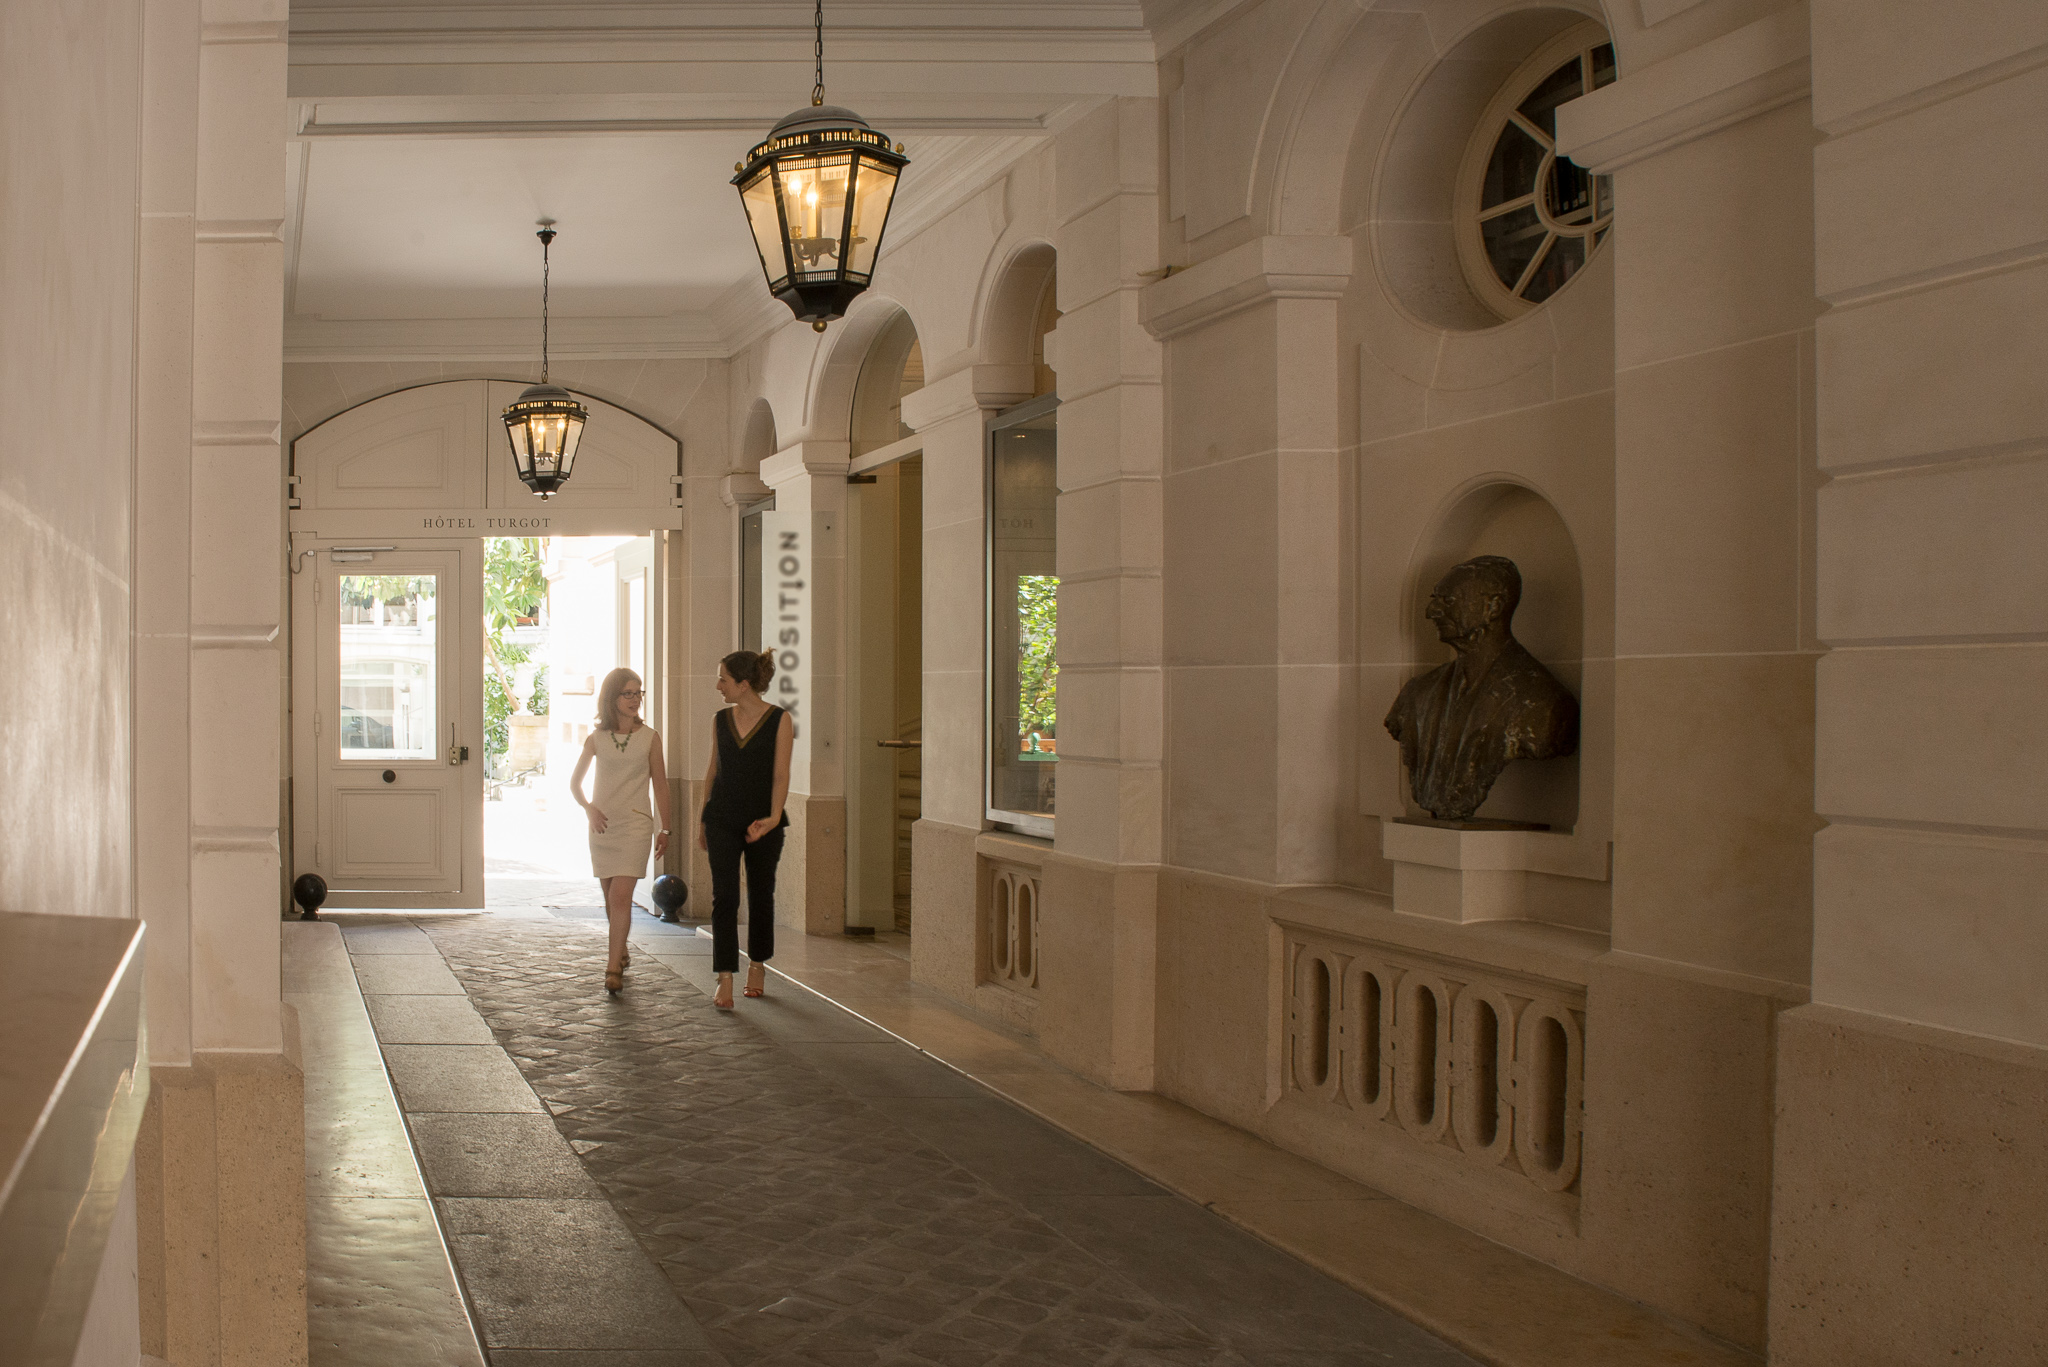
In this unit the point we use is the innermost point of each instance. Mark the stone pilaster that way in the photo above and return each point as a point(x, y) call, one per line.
point(220, 1181)
point(951, 414)
point(1253, 554)
point(1097, 984)
point(809, 480)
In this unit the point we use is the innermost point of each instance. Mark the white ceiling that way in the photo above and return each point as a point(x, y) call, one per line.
point(443, 228)
point(428, 138)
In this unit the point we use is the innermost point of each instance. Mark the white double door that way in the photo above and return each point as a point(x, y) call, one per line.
point(388, 725)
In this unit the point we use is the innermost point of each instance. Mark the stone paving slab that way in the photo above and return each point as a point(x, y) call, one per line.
point(386, 939)
point(378, 1289)
point(561, 1274)
point(405, 975)
point(801, 1223)
point(428, 1020)
point(498, 1155)
point(456, 1077)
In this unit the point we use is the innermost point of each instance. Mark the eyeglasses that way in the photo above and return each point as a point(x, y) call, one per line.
point(630, 693)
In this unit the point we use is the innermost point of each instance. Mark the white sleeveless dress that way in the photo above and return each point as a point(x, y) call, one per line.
point(621, 790)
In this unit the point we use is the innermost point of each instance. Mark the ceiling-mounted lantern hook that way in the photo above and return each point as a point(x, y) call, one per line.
point(545, 423)
point(817, 192)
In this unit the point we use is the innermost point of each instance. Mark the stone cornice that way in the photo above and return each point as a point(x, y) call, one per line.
point(1737, 76)
point(970, 389)
point(806, 458)
point(688, 336)
point(1264, 268)
point(740, 488)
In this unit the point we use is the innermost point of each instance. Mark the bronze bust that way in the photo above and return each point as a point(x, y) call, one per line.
point(1462, 723)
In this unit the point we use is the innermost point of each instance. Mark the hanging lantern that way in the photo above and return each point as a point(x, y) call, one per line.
point(545, 423)
point(817, 194)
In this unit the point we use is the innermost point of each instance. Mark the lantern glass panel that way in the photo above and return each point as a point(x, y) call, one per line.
point(814, 203)
point(759, 198)
point(572, 436)
point(522, 446)
point(872, 191)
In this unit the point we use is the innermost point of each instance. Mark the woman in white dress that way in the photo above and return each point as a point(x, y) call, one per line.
point(627, 753)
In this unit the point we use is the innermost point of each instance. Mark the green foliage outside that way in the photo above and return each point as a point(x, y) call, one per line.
point(498, 710)
point(1038, 670)
point(513, 588)
point(363, 590)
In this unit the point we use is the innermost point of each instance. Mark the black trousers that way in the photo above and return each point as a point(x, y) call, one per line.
point(728, 849)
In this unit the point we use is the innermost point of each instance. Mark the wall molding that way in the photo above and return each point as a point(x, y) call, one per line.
point(1306, 267)
point(970, 389)
point(1760, 67)
point(806, 458)
point(691, 336)
point(234, 840)
point(225, 637)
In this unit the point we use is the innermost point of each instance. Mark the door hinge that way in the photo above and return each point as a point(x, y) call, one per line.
point(676, 499)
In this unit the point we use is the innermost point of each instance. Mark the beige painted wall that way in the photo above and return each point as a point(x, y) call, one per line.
point(68, 285)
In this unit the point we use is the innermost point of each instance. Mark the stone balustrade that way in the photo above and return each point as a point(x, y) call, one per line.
point(1475, 1061)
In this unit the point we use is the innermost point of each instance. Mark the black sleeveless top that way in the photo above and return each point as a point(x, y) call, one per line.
point(743, 790)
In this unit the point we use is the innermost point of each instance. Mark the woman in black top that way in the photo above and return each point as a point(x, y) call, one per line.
point(748, 781)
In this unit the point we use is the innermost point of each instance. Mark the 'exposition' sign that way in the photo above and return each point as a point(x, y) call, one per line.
point(786, 609)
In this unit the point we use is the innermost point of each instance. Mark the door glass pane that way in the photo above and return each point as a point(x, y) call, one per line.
point(388, 669)
point(1023, 615)
point(636, 626)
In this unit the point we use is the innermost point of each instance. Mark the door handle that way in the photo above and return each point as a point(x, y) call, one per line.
point(900, 744)
point(457, 754)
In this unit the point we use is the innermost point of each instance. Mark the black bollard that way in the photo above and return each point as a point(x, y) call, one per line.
point(670, 894)
point(309, 890)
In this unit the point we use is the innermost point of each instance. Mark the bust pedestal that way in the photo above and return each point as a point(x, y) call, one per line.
point(1464, 870)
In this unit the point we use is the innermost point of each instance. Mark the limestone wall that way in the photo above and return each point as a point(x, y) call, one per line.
point(1910, 1092)
point(1764, 463)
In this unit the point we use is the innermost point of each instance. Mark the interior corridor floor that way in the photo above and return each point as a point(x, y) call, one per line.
point(645, 1181)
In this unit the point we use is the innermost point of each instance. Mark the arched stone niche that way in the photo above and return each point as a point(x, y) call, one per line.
point(892, 367)
point(1415, 182)
point(757, 439)
point(1503, 518)
point(1019, 325)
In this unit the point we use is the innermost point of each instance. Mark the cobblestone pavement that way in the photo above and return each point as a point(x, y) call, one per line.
point(801, 1224)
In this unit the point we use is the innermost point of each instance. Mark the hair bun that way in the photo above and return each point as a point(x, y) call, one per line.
point(750, 667)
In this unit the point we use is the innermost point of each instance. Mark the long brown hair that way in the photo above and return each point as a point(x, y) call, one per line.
point(608, 697)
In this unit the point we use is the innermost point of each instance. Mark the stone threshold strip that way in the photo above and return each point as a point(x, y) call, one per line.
point(1501, 1307)
point(380, 1286)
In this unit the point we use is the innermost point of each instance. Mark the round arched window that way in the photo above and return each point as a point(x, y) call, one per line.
point(1529, 219)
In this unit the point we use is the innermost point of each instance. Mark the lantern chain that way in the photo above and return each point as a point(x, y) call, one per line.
point(546, 236)
point(818, 89)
